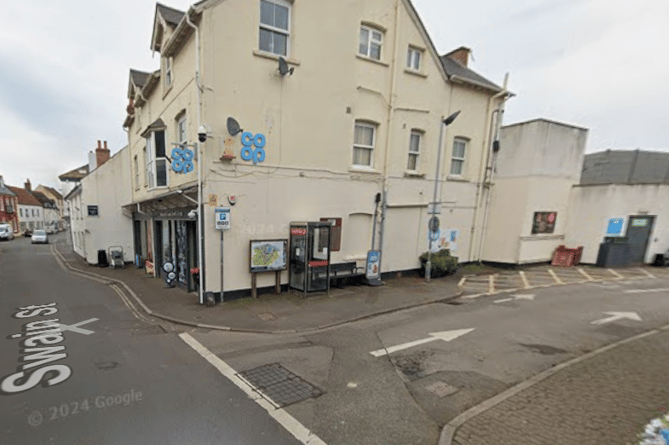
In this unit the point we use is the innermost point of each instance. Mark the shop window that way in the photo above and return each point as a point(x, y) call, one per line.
point(335, 234)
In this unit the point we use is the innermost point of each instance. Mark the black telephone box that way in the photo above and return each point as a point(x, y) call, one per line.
point(310, 256)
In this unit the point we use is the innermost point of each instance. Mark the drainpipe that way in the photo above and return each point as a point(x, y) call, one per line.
point(391, 101)
point(504, 94)
point(200, 207)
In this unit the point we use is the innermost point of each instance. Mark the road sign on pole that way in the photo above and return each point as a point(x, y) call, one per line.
point(222, 218)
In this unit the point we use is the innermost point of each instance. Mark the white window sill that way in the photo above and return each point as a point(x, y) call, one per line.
point(456, 178)
point(415, 73)
point(413, 174)
point(369, 59)
point(273, 56)
point(362, 169)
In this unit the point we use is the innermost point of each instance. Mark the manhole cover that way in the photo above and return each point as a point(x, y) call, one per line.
point(279, 385)
point(266, 316)
point(441, 389)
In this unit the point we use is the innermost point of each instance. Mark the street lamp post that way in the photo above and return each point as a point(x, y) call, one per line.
point(434, 221)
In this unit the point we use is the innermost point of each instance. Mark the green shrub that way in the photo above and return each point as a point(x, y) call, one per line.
point(442, 263)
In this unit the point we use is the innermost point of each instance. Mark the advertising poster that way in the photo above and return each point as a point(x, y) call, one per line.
point(268, 255)
point(448, 239)
point(373, 259)
point(543, 222)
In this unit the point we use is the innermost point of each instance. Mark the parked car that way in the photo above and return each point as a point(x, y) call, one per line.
point(6, 232)
point(50, 231)
point(40, 236)
point(28, 233)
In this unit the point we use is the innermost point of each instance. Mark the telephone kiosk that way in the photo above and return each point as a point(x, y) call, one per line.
point(310, 256)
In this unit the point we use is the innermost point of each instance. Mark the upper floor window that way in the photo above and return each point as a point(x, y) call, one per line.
point(414, 58)
point(414, 150)
point(363, 144)
point(156, 162)
point(371, 41)
point(168, 71)
point(181, 129)
point(2, 203)
point(458, 158)
point(275, 26)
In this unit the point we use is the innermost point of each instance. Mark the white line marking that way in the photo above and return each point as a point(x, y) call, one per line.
point(524, 278)
point(444, 335)
point(491, 283)
point(614, 316)
point(555, 277)
point(294, 427)
point(614, 273)
point(462, 282)
point(650, 275)
point(585, 274)
point(75, 328)
point(503, 300)
point(640, 291)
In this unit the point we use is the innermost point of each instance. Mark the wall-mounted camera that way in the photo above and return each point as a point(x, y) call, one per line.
point(202, 134)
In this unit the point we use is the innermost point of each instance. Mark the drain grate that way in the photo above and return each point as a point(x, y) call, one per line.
point(279, 385)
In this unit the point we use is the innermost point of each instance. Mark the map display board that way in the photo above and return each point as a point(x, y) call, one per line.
point(268, 255)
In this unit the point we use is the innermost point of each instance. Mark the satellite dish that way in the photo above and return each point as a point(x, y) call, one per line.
point(233, 126)
point(283, 67)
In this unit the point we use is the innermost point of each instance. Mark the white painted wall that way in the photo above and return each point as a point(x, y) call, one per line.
point(108, 187)
point(77, 224)
point(592, 206)
point(538, 163)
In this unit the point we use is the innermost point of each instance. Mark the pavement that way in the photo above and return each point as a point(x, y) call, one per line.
point(288, 312)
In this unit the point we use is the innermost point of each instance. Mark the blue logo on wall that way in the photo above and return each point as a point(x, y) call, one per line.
point(258, 153)
point(182, 160)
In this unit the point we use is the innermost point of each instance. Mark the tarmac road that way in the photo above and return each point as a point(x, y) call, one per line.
point(107, 377)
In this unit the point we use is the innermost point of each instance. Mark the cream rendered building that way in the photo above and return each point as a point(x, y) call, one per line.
point(359, 115)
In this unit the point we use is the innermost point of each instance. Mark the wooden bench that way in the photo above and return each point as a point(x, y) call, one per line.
point(340, 271)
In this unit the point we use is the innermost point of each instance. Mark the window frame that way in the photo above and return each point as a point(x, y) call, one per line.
point(152, 160)
point(168, 75)
point(371, 148)
point(416, 153)
point(460, 160)
point(275, 30)
point(182, 128)
point(411, 52)
point(136, 166)
point(370, 30)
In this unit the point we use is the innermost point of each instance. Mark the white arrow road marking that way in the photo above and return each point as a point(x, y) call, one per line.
point(617, 316)
point(445, 336)
point(639, 291)
point(516, 297)
point(74, 328)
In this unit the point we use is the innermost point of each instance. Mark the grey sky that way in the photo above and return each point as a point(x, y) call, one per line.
point(600, 64)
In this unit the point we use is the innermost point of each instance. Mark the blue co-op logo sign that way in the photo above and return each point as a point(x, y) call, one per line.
point(253, 147)
point(182, 160)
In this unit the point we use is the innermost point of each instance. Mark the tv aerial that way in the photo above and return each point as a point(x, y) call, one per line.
point(283, 67)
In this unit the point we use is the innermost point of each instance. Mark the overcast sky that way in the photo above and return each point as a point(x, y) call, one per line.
point(600, 64)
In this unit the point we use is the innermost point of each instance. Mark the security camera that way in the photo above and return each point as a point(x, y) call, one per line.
point(192, 214)
point(202, 134)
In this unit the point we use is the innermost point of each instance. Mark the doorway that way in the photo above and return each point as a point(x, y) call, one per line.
point(639, 229)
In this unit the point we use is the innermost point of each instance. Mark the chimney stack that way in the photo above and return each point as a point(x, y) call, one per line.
point(27, 186)
point(101, 154)
point(460, 55)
